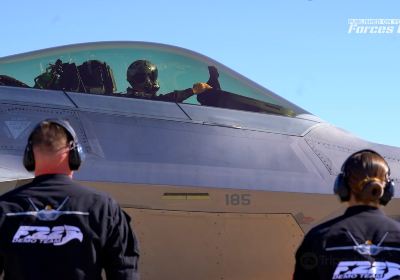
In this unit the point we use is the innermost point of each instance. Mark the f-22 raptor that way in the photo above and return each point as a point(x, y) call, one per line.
point(221, 183)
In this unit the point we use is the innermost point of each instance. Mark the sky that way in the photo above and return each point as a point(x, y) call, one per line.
point(306, 51)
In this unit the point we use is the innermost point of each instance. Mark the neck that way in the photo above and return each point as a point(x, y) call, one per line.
point(353, 202)
point(52, 164)
point(40, 172)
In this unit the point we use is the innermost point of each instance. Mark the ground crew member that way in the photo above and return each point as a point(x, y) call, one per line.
point(363, 243)
point(54, 228)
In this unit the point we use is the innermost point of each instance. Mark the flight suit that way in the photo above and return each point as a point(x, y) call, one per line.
point(361, 244)
point(175, 96)
point(53, 228)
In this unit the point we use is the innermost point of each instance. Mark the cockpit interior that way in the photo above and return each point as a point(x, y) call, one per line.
point(102, 69)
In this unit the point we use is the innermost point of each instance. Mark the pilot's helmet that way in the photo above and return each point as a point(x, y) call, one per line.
point(142, 75)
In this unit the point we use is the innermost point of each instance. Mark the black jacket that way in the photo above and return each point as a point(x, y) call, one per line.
point(53, 228)
point(361, 244)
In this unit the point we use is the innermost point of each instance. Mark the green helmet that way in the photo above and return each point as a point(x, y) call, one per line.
point(142, 76)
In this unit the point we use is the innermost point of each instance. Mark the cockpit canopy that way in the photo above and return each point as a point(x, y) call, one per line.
point(101, 68)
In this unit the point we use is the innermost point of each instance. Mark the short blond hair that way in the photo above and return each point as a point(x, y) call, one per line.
point(49, 136)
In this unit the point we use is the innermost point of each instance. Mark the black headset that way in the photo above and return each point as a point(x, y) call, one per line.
point(342, 189)
point(75, 155)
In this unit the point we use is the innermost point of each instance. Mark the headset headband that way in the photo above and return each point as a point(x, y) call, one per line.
point(344, 165)
point(63, 123)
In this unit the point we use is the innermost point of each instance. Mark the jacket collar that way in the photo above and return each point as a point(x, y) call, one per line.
point(46, 177)
point(353, 210)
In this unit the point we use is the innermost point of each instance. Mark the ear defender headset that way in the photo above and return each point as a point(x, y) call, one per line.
point(342, 189)
point(75, 154)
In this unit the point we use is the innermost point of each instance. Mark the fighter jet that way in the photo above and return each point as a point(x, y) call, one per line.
point(221, 182)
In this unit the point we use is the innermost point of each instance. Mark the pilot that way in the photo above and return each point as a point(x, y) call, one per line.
point(54, 228)
point(363, 243)
point(142, 76)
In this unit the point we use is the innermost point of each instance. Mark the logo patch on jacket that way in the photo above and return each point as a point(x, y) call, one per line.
point(366, 270)
point(58, 235)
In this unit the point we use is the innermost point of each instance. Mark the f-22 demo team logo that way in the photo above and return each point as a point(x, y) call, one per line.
point(58, 235)
point(366, 270)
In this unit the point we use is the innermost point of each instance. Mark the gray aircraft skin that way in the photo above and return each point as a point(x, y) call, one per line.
point(215, 192)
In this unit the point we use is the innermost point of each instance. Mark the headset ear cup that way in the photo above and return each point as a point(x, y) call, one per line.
point(388, 193)
point(341, 189)
point(74, 157)
point(29, 158)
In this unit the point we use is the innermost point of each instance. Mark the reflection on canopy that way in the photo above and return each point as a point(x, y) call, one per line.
point(102, 69)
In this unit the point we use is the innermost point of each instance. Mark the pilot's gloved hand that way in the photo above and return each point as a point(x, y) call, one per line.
point(213, 80)
point(200, 87)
